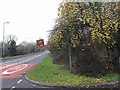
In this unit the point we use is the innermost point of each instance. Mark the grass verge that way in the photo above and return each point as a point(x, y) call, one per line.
point(57, 74)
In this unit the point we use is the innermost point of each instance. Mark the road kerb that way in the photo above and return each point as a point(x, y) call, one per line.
point(101, 85)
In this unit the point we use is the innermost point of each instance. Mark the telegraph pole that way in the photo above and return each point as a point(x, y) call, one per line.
point(69, 48)
point(69, 51)
point(3, 51)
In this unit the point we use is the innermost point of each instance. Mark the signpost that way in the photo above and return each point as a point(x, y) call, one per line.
point(40, 44)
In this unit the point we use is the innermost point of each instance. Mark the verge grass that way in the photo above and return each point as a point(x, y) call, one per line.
point(57, 74)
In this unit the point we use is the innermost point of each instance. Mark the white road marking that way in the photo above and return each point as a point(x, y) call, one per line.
point(15, 69)
point(6, 66)
point(34, 85)
point(19, 81)
point(13, 86)
point(20, 61)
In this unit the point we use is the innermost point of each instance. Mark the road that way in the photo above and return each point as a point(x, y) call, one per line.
point(12, 73)
point(13, 70)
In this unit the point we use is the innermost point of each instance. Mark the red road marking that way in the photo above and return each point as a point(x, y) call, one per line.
point(15, 70)
point(2, 65)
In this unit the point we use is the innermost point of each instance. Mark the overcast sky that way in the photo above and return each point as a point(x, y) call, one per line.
point(29, 19)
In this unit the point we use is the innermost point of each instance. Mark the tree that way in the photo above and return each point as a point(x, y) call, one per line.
point(10, 45)
point(26, 48)
point(91, 30)
point(12, 48)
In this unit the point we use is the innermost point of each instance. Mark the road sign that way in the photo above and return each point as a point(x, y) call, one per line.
point(40, 43)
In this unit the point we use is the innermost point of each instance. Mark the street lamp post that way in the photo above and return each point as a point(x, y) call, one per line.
point(4, 38)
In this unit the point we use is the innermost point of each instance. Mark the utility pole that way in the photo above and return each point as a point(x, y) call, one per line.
point(69, 51)
point(69, 47)
point(4, 39)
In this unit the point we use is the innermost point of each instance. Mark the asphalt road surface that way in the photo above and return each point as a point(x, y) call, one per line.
point(12, 71)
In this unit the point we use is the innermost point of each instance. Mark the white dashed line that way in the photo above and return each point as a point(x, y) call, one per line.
point(19, 81)
point(34, 85)
point(13, 87)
